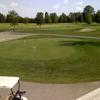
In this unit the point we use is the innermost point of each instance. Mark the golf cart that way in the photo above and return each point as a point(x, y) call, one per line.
point(9, 83)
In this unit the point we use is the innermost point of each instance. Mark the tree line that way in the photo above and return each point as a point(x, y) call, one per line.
point(88, 15)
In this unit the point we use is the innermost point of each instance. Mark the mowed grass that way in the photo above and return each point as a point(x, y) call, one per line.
point(51, 60)
point(62, 28)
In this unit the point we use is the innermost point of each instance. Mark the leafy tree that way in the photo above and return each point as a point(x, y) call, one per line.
point(78, 17)
point(81, 18)
point(32, 20)
point(60, 20)
point(88, 10)
point(63, 18)
point(2, 18)
point(72, 17)
point(12, 17)
point(26, 20)
point(68, 19)
point(54, 17)
point(8, 18)
point(88, 18)
point(39, 18)
point(20, 19)
point(47, 18)
point(97, 16)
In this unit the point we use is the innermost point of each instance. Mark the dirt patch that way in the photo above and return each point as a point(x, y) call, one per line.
point(86, 30)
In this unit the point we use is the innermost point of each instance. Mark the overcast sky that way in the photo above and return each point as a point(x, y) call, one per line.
point(31, 7)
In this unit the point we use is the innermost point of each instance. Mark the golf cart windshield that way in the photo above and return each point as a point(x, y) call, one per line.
point(8, 82)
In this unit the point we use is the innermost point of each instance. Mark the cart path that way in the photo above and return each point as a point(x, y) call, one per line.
point(67, 36)
point(6, 36)
point(36, 91)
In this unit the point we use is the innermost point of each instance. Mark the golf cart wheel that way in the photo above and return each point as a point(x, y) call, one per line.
point(10, 98)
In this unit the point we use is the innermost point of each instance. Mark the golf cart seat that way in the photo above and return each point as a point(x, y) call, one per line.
point(8, 83)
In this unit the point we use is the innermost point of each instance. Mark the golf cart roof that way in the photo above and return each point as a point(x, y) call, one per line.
point(8, 82)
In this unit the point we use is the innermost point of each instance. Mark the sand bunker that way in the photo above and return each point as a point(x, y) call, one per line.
point(86, 30)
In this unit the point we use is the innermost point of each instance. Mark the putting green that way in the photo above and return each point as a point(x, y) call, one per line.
point(51, 60)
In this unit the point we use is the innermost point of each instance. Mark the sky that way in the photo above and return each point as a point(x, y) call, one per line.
point(29, 8)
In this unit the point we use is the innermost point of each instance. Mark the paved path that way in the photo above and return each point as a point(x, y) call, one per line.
point(69, 36)
point(36, 91)
point(6, 36)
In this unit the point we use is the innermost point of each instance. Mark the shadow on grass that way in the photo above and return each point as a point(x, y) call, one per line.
point(79, 43)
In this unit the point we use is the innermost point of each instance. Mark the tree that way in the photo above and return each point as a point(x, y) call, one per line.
point(97, 16)
point(20, 19)
point(81, 19)
point(26, 20)
point(63, 18)
point(72, 17)
point(68, 19)
point(88, 18)
point(12, 17)
point(39, 18)
point(88, 10)
point(47, 18)
point(60, 20)
point(2, 18)
point(8, 18)
point(78, 17)
point(54, 17)
point(32, 20)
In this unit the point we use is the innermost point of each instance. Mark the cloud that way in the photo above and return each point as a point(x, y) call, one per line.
point(80, 3)
point(2, 6)
point(80, 9)
point(56, 6)
point(62, 5)
point(79, 6)
point(65, 1)
point(13, 4)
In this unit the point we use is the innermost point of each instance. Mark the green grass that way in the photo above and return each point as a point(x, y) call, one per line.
point(51, 60)
point(7, 26)
point(67, 28)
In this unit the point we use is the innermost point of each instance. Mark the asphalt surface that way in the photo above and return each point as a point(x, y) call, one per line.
point(37, 91)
